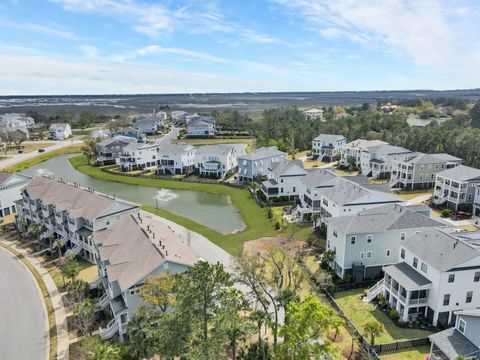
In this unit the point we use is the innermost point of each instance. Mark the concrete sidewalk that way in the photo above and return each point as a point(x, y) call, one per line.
point(60, 314)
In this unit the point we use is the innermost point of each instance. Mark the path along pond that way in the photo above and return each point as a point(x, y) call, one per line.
point(213, 210)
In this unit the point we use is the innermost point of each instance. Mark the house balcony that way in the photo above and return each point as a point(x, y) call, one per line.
point(104, 301)
point(112, 328)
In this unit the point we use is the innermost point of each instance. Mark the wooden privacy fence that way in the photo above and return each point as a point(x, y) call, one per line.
point(401, 345)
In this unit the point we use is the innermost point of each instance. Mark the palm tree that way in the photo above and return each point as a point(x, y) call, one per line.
point(260, 317)
point(373, 329)
point(36, 230)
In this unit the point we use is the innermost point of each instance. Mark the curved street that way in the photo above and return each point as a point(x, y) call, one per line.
point(23, 319)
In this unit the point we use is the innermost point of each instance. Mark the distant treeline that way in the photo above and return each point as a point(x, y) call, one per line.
point(84, 119)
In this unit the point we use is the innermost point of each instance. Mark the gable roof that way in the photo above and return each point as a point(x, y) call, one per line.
point(287, 167)
point(320, 178)
point(387, 149)
point(444, 251)
point(7, 178)
point(218, 149)
point(61, 126)
point(349, 193)
point(461, 173)
point(263, 153)
point(175, 148)
point(453, 343)
point(422, 158)
point(364, 144)
point(79, 202)
point(133, 254)
point(383, 218)
point(120, 138)
point(329, 138)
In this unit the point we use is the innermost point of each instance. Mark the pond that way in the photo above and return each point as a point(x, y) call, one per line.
point(213, 210)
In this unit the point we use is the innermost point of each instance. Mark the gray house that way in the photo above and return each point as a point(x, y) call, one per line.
point(148, 126)
point(456, 186)
point(463, 340)
point(109, 150)
point(326, 146)
point(365, 242)
point(418, 170)
point(130, 132)
point(255, 165)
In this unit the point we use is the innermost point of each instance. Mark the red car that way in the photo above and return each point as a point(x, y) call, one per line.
point(460, 215)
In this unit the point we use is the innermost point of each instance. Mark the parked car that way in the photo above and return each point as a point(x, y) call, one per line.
point(461, 215)
point(41, 150)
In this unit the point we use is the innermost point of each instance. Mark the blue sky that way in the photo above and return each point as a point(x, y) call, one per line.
point(140, 46)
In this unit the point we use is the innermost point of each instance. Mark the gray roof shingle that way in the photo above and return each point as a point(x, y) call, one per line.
point(452, 343)
point(407, 276)
point(329, 138)
point(461, 173)
point(263, 153)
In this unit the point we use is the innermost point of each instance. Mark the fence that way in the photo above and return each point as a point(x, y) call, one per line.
point(350, 326)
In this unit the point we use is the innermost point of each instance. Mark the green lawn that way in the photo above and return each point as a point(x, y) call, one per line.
point(360, 313)
point(44, 157)
point(419, 353)
point(254, 217)
point(412, 194)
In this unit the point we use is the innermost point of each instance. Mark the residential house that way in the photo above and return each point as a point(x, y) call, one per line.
point(162, 115)
point(140, 156)
point(311, 188)
point(11, 186)
point(476, 201)
point(148, 125)
point(201, 126)
point(349, 198)
point(456, 186)
point(461, 341)
point(376, 161)
point(109, 150)
point(130, 132)
point(129, 252)
point(352, 151)
point(365, 242)
point(438, 274)
point(179, 117)
point(176, 158)
point(70, 213)
point(418, 170)
point(254, 166)
point(59, 131)
point(218, 160)
point(326, 146)
point(15, 120)
point(312, 114)
point(284, 179)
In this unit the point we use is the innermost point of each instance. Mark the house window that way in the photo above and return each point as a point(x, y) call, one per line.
point(462, 325)
point(451, 278)
point(388, 252)
point(369, 239)
point(402, 236)
point(369, 254)
point(424, 267)
point(362, 255)
point(469, 297)
point(335, 233)
point(446, 299)
point(476, 277)
point(415, 262)
point(294, 189)
point(402, 253)
point(353, 240)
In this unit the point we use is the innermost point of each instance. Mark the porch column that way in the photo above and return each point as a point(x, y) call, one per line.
point(405, 312)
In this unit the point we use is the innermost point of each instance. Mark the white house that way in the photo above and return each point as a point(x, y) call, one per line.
point(162, 115)
point(349, 198)
point(15, 120)
point(200, 126)
point(455, 186)
point(461, 341)
point(11, 186)
point(218, 160)
point(376, 161)
point(70, 213)
point(438, 274)
point(59, 131)
point(255, 165)
point(140, 156)
point(353, 150)
point(476, 201)
point(284, 179)
point(326, 146)
point(179, 117)
point(365, 242)
point(128, 253)
point(176, 158)
point(312, 114)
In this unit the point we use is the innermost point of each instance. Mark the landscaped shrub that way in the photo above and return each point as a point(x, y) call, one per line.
point(261, 195)
point(465, 207)
point(277, 225)
point(382, 301)
point(393, 314)
point(446, 213)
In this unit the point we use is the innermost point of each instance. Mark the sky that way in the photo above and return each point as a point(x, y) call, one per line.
point(181, 46)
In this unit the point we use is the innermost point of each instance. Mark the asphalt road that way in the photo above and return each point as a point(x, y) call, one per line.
point(23, 321)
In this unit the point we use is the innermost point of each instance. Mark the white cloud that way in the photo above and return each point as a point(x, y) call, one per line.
point(89, 51)
point(419, 30)
point(52, 30)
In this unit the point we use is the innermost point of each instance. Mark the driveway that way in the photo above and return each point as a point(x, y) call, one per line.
point(22, 157)
point(23, 319)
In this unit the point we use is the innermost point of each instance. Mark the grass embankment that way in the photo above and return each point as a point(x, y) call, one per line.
point(254, 217)
point(52, 325)
point(44, 157)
